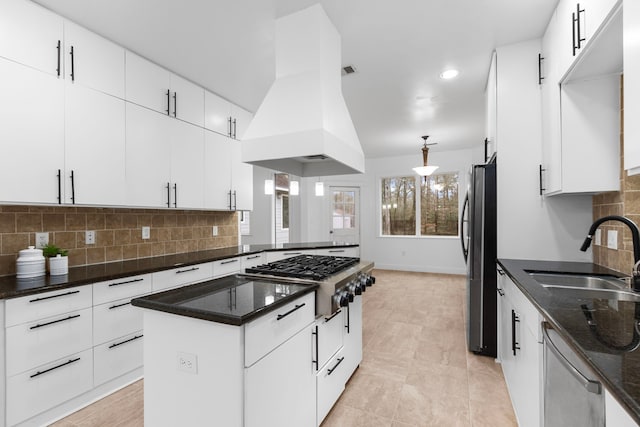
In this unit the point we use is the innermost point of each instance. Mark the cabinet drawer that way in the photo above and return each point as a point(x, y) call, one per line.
point(48, 385)
point(39, 342)
point(249, 261)
point(182, 276)
point(32, 307)
point(126, 287)
point(528, 316)
point(330, 335)
point(115, 319)
point(117, 357)
point(330, 381)
point(225, 267)
point(278, 255)
point(266, 333)
point(349, 252)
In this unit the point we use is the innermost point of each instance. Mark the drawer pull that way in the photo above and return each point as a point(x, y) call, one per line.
point(326, 319)
point(500, 292)
point(54, 296)
point(125, 341)
point(336, 251)
point(228, 262)
point(330, 370)
point(293, 253)
point(187, 270)
point(297, 307)
point(40, 325)
point(69, 362)
point(253, 257)
point(315, 334)
point(119, 305)
point(124, 283)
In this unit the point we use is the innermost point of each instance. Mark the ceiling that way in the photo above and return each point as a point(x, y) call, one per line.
point(398, 48)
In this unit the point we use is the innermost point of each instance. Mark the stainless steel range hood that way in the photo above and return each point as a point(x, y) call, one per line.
point(303, 125)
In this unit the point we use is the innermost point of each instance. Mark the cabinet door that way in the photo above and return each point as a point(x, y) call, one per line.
point(147, 84)
point(631, 48)
point(217, 171)
point(187, 101)
point(148, 157)
point(280, 388)
point(491, 118)
point(595, 13)
point(32, 134)
point(187, 165)
point(96, 62)
point(94, 147)
point(353, 336)
point(564, 35)
point(240, 121)
point(217, 113)
point(29, 34)
point(241, 179)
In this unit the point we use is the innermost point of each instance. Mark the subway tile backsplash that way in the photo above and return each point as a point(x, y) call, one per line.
point(118, 232)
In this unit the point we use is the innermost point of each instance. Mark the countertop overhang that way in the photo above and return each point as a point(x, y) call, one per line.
point(618, 370)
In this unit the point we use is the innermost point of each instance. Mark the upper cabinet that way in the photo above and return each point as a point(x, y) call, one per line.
point(631, 87)
point(224, 117)
point(187, 100)
point(491, 117)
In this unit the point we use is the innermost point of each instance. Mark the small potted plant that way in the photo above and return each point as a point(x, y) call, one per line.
point(57, 259)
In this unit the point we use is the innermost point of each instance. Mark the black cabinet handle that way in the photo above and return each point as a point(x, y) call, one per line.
point(187, 270)
point(230, 202)
point(168, 102)
point(293, 253)
point(127, 282)
point(573, 32)
point(348, 325)
point(253, 257)
point(175, 195)
point(40, 325)
point(500, 292)
point(69, 362)
point(125, 341)
point(59, 47)
point(297, 307)
point(175, 104)
point(229, 127)
point(330, 370)
point(235, 201)
point(73, 74)
point(327, 319)
point(540, 59)
point(168, 195)
point(500, 271)
point(119, 305)
point(336, 251)
point(315, 362)
point(540, 170)
point(229, 262)
point(73, 189)
point(59, 187)
point(54, 296)
point(234, 129)
point(579, 30)
point(514, 344)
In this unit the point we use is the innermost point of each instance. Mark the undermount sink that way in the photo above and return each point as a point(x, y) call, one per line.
point(585, 286)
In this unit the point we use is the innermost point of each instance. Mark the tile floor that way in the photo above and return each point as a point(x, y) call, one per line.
point(415, 369)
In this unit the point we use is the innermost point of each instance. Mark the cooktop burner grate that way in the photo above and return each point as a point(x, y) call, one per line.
point(313, 267)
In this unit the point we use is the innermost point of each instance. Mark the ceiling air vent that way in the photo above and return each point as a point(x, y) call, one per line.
point(349, 69)
point(316, 157)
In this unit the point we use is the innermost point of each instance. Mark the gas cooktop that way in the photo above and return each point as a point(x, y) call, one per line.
point(312, 267)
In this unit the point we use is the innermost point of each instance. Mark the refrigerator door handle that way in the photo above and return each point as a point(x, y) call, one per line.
point(464, 228)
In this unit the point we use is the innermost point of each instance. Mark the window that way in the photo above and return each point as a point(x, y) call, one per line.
point(285, 211)
point(434, 212)
point(344, 209)
point(439, 205)
point(399, 206)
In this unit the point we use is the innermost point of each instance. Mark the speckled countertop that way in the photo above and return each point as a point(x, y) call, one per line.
point(11, 287)
point(609, 346)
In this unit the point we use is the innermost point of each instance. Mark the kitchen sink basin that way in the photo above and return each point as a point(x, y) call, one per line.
point(586, 293)
point(578, 281)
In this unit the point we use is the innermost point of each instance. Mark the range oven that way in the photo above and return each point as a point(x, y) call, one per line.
point(339, 278)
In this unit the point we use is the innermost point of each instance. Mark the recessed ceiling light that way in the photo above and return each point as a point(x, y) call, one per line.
point(449, 74)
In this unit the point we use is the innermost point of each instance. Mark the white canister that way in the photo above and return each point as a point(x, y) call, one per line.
point(58, 265)
point(30, 263)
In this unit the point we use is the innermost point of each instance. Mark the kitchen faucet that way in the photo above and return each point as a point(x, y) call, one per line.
point(635, 235)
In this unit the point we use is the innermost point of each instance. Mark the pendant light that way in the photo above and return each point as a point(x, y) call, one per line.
point(425, 170)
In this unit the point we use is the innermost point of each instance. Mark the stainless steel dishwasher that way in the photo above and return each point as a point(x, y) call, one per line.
point(571, 396)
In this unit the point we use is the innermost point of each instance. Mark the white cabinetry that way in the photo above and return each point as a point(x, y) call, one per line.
point(249, 261)
point(225, 118)
point(175, 277)
point(631, 44)
point(491, 117)
point(217, 181)
point(226, 267)
point(188, 101)
point(520, 351)
point(241, 180)
point(273, 256)
point(615, 415)
point(348, 252)
point(187, 165)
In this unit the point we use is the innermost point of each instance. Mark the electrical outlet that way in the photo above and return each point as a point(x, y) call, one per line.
point(215, 230)
point(612, 239)
point(187, 362)
point(90, 237)
point(599, 237)
point(42, 240)
point(146, 232)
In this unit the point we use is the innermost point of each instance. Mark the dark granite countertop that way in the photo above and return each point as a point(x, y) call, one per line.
point(609, 346)
point(11, 287)
point(233, 300)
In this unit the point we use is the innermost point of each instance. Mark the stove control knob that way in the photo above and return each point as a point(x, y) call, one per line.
point(350, 297)
point(344, 300)
point(373, 279)
point(358, 289)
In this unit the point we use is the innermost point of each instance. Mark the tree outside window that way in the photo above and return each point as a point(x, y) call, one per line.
point(439, 205)
point(399, 206)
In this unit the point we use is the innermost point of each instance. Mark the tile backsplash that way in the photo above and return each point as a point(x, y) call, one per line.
point(118, 232)
point(625, 202)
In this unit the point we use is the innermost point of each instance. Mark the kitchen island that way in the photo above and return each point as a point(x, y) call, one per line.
point(598, 329)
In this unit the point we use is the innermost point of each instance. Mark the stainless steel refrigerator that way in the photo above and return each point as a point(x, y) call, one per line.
point(478, 235)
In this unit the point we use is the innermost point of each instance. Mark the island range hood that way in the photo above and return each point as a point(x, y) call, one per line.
point(303, 126)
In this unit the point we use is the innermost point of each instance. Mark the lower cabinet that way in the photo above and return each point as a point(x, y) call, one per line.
point(117, 357)
point(330, 381)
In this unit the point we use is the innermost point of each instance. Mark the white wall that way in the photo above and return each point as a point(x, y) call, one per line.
point(530, 226)
point(429, 254)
